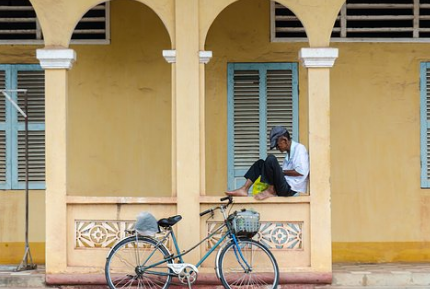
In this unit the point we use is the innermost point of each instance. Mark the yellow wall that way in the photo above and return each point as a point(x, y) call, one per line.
point(119, 118)
point(12, 226)
point(379, 211)
point(376, 151)
point(120, 126)
point(376, 134)
point(12, 203)
point(120, 109)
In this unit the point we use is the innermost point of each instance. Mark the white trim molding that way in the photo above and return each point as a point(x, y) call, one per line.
point(318, 57)
point(170, 56)
point(205, 56)
point(56, 58)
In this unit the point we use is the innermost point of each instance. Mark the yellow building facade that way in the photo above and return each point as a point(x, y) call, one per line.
point(140, 123)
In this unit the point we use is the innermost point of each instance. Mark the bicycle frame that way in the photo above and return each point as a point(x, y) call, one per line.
point(179, 255)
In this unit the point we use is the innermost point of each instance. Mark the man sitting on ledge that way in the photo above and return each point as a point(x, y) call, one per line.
point(285, 181)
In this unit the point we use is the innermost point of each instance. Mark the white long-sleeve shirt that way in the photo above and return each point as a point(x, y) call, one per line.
point(298, 160)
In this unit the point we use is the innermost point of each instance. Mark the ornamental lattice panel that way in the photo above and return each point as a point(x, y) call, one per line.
point(104, 234)
point(275, 235)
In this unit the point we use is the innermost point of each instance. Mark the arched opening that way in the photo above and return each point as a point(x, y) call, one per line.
point(241, 34)
point(120, 109)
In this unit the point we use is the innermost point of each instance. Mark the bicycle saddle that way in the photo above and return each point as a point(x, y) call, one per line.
point(170, 221)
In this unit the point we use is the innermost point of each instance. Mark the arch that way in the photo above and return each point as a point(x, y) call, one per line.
point(128, 83)
point(210, 10)
point(59, 19)
point(318, 18)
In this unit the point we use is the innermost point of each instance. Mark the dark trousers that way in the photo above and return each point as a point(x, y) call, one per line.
point(271, 173)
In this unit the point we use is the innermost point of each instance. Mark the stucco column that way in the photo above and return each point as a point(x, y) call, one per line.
point(56, 62)
point(187, 123)
point(318, 61)
point(170, 57)
point(204, 58)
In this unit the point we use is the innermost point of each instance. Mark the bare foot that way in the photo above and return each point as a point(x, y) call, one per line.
point(238, 193)
point(265, 194)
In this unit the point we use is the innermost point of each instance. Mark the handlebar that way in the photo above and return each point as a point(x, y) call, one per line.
point(206, 212)
point(230, 201)
point(229, 198)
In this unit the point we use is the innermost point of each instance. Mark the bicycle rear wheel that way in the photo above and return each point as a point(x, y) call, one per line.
point(126, 264)
point(263, 269)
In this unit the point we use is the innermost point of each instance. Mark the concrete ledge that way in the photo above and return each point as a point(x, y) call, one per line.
point(305, 199)
point(84, 200)
point(79, 200)
point(203, 279)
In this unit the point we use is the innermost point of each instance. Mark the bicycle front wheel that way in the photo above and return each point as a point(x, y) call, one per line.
point(132, 263)
point(255, 267)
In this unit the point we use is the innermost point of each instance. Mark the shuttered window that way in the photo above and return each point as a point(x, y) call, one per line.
point(260, 96)
point(12, 127)
point(19, 24)
point(363, 20)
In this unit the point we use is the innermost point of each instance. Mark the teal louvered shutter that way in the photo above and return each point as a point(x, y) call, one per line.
point(12, 127)
point(34, 82)
point(260, 96)
point(281, 104)
point(425, 124)
point(3, 159)
point(245, 121)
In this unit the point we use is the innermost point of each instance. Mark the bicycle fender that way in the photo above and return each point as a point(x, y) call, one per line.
point(110, 251)
point(218, 274)
point(132, 237)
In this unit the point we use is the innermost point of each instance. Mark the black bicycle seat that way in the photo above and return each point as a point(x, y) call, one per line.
point(170, 221)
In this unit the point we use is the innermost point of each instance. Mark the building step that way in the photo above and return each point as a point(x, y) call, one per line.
point(396, 278)
point(388, 275)
point(345, 276)
point(10, 278)
point(372, 287)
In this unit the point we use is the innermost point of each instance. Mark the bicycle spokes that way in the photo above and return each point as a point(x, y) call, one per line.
point(261, 270)
point(124, 271)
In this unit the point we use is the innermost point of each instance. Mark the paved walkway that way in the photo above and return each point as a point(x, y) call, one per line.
point(345, 276)
point(9, 278)
point(388, 275)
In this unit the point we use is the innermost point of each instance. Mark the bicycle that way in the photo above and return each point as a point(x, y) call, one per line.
point(141, 261)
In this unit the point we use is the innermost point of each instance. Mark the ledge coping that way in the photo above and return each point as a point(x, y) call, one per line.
point(251, 200)
point(86, 200)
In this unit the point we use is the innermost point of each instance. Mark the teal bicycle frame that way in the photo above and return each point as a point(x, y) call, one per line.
point(229, 233)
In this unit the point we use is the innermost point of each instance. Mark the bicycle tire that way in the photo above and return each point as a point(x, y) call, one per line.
point(123, 268)
point(264, 268)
